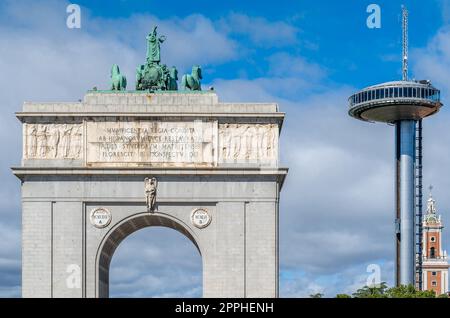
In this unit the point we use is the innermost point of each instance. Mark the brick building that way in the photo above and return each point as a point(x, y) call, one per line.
point(434, 264)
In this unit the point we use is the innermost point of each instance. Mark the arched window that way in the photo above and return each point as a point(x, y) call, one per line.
point(432, 252)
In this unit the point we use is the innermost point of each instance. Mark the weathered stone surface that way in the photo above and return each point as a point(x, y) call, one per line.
point(248, 143)
point(106, 130)
point(116, 103)
point(163, 143)
point(53, 141)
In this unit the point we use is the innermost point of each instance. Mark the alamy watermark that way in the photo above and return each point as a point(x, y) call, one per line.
point(74, 18)
point(374, 278)
point(73, 280)
point(374, 19)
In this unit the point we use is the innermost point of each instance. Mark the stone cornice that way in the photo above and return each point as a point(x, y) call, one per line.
point(21, 172)
point(22, 115)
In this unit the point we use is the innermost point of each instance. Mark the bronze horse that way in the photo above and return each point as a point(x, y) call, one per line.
point(191, 81)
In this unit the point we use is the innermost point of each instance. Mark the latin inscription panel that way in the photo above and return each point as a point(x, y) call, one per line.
point(168, 143)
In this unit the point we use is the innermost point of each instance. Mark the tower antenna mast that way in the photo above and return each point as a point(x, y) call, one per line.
point(405, 43)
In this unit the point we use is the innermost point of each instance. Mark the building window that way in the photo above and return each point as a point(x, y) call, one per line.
point(432, 239)
point(432, 252)
point(433, 273)
point(434, 283)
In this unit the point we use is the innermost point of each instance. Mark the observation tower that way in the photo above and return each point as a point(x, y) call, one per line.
point(403, 104)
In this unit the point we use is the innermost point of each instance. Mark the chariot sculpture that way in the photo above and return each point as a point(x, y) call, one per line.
point(154, 76)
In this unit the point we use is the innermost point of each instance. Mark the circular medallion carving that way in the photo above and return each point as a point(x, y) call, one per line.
point(100, 217)
point(200, 218)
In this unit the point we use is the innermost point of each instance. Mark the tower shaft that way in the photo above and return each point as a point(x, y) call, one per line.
point(405, 192)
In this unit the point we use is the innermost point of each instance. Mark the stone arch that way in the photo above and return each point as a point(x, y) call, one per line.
point(123, 229)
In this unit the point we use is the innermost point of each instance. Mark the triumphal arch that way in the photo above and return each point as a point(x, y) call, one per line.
point(97, 170)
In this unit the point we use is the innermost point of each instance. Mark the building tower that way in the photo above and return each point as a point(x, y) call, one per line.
point(434, 260)
point(403, 104)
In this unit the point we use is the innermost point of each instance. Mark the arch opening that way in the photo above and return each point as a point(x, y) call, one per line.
point(126, 228)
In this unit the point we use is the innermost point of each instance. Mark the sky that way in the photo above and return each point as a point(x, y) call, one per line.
point(337, 204)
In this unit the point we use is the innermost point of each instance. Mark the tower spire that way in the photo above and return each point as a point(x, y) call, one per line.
point(405, 43)
point(431, 204)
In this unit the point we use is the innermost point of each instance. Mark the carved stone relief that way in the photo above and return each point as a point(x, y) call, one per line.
point(248, 143)
point(53, 141)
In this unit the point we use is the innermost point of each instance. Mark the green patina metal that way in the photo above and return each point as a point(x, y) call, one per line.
point(118, 81)
point(154, 76)
point(192, 81)
point(173, 78)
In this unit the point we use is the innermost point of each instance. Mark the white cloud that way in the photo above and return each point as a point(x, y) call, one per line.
point(147, 265)
point(10, 291)
point(282, 64)
point(432, 61)
point(261, 31)
point(345, 281)
point(194, 39)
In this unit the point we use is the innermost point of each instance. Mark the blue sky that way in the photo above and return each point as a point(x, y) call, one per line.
point(330, 33)
point(336, 213)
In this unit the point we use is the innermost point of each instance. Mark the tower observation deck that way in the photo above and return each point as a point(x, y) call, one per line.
point(404, 104)
point(393, 101)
